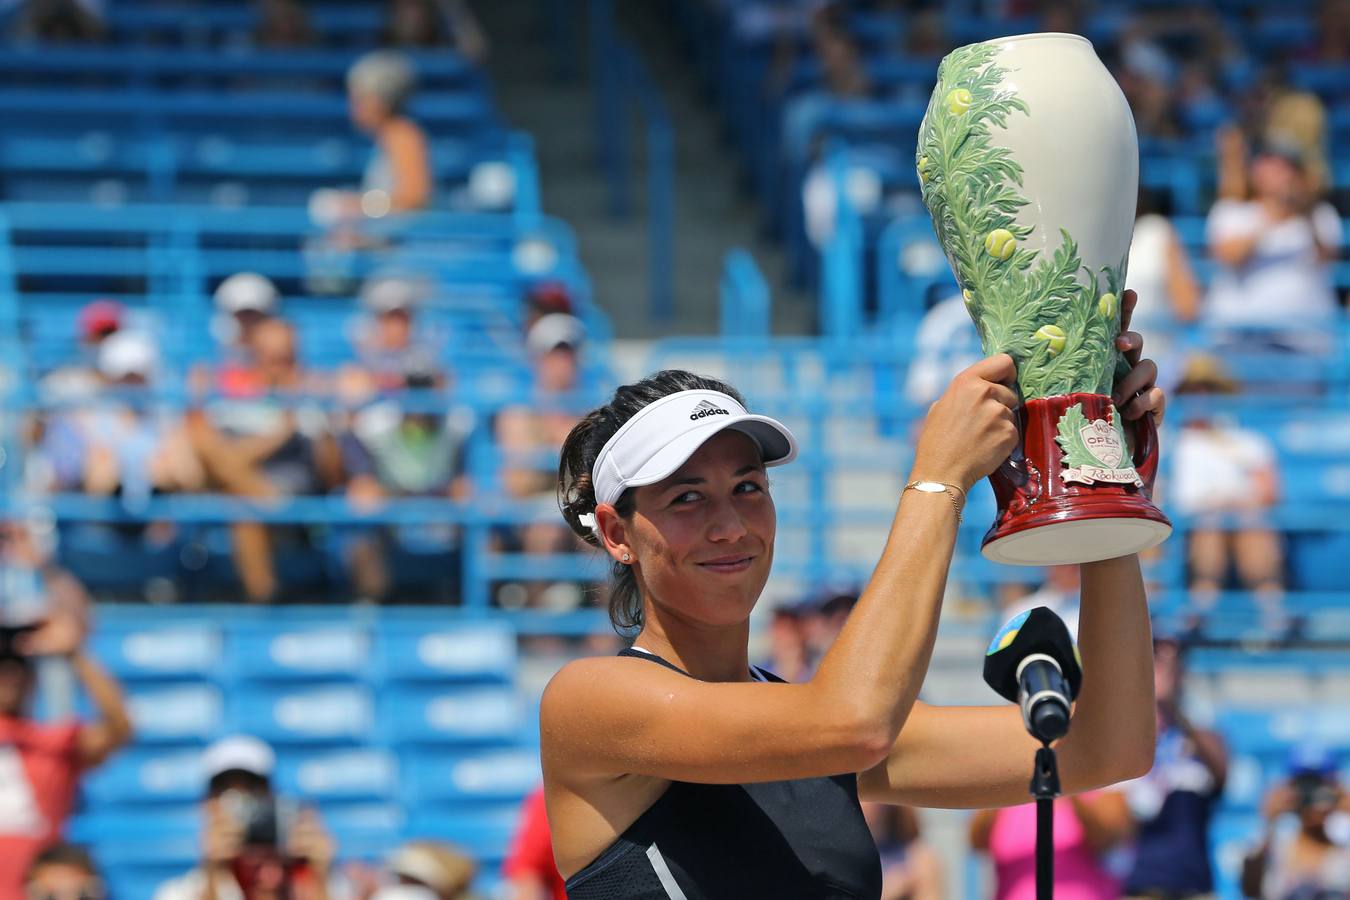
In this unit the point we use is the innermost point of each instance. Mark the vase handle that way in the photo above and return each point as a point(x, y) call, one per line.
point(1011, 474)
point(1145, 450)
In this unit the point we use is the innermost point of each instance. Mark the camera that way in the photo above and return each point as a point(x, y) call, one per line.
point(1313, 790)
point(259, 815)
point(9, 639)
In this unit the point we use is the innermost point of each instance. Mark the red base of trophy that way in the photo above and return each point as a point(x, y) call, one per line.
point(1075, 492)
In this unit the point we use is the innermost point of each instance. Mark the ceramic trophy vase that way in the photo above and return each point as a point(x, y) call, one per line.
point(1029, 166)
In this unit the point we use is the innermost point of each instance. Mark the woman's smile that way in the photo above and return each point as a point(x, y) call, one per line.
point(728, 565)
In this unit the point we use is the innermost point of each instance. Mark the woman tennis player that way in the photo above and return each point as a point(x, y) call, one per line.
point(676, 770)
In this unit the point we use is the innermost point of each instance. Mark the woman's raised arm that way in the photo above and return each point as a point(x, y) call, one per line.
point(607, 717)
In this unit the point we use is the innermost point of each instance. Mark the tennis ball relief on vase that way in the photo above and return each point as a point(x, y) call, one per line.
point(1029, 165)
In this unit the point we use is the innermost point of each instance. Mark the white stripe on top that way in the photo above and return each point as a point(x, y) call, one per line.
point(664, 875)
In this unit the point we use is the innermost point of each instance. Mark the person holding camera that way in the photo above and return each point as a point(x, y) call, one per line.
point(255, 846)
point(1309, 861)
point(41, 762)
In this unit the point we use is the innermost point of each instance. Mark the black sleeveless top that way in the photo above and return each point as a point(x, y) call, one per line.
point(789, 840)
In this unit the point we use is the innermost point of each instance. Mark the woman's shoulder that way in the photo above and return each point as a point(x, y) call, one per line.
point(583, 680)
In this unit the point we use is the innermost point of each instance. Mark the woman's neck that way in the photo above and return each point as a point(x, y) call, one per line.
point(708, 653)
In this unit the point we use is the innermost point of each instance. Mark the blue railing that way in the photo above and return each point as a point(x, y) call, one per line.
point(620, 81)
point(746, 304)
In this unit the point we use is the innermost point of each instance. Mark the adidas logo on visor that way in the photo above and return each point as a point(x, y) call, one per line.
point(704, 409)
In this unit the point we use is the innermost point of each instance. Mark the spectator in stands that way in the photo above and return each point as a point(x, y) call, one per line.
point(1087, 826)
point(243, 302)
point(1147, 75)
point(254, 847)
point(282, 24)
point(79, 378)
point(545, 299)
point(435, 23)
point(788, 658)
point(1226, 479)
point(1275, 112)
point(1333, 31)
point(826, 614)
point(1273, 286)
point(41, 762)
point(945, 343)
point(1060, 593)
point(1306, 862)
point(398, 178)
point(1172, 805)
point(910, 869)
point(402, 453)
point(838, 52)
point(63, 872)
point(1160, 272)
point(119, 446)
point(442, 871)
point(526, 433)
point(529, 869)
point(59, 21)
point(257, 446)
point(388, 340)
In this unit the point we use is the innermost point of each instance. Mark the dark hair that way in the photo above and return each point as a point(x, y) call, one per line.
point(63, 855)
point(576, 493)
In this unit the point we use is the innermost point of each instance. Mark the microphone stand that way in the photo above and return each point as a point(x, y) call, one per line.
point(1045, 788)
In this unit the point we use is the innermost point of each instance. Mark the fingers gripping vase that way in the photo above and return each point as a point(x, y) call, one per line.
point(1029, 165)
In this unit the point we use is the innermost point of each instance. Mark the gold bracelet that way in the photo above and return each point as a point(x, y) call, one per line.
point(940, 487)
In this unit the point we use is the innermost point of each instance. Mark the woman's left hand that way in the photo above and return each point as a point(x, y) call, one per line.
point(1137, 393)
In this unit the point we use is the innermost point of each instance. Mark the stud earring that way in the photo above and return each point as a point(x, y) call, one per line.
point(627, 558)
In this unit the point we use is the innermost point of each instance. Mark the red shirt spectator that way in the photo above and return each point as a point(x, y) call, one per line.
point(529, 866)
point(39, 769)
point(41, 763)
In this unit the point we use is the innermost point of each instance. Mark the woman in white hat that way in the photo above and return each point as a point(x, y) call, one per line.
point(676, 770)
point(398, 178)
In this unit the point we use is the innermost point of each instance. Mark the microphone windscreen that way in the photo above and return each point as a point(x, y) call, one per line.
point(1037, 630)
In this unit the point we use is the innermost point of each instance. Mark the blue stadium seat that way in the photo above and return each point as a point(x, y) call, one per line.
point(150, 652)
point(140, 776)
point(469, 715)
point(1270, 732)
point(485, 834)
point(267, 651)
point(324, 714)
point(479, 652)
point(445, 779)
point(125, 825)
point(1317, 559)
point(1231, 836)
point(1246, 782)
point(358, 775)
point(183, 714)
point(366, 831)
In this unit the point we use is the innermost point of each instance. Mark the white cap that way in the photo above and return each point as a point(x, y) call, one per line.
point(555, 330)
point(247, 291)
point(239, 752)
point(125, 353)
point(382, 295)
point(657, 441)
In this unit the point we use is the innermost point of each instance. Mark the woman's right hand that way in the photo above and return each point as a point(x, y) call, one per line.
point(970, 430)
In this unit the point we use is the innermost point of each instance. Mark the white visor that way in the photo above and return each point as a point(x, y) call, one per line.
point(657, 441)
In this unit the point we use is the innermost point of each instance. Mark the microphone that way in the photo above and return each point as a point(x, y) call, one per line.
point(1033, 662)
